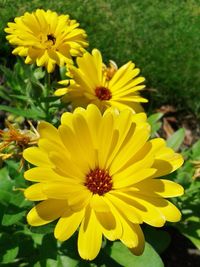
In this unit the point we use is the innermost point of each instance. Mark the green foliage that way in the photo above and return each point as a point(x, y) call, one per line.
point(176, 139)
point(27, 92)
point(189, 203)
point(124, 257)
point(160, 36)
point(154, 121)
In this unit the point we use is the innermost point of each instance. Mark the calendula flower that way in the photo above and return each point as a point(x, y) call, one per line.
point(46, 38)
point(103, 86)
point(100, 172)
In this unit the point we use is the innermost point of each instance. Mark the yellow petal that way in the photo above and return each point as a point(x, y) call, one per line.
point(94, 119)
point(167, 209)
point(120, 72)
point(37, 157)
point(67, 119)
point(72, 145)
point(98, 204)
point(129, 235)
point(89, 231)
point(138, 250)
point(48, 131)
point(84, 138)
point(171, 212)
point(127, 210)
point(122, 126)
point(61, 91)
point(46, 211)
point(105, 139)
point(133, 237)
point(140, 160)
point(148, 212)
point(68, 224)
point(79, 201)
point(47, 145)
point(167, 164)
point(65, 167)
point(127, 179)
point(35, 192)
point(160, 187)
point(134, 143)
point(61, 190)
point(166, 161)
point(42, 174)
point(97, 58)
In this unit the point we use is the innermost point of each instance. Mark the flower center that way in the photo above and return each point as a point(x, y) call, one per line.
point(98, 181)
point(51, 37)
point(103, 93)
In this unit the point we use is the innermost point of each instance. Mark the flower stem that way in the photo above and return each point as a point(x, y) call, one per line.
point(46, 94)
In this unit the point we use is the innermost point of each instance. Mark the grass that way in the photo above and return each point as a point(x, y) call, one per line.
point(161, 37)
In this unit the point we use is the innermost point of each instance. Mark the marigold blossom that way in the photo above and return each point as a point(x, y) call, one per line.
point(46, 38)
point(100, 172)
point(103, 86)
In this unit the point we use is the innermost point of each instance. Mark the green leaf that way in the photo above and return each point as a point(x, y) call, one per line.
point(64, 261)
point(5, 196)
point(153, 120)
point(20, 97)
point(123, 256)
point(49, 247)
point(3, 94)
point(39, 73)
point(10, 255)
point(196, 150)
point(9, 248)
point(6, 185)
point(45, 229)
point(29, 113)
point(12, 217)
point(63, 72)
point(176, 139)
point(191, 229)
point(49, 99)
point(159, 239)
point(6, 182)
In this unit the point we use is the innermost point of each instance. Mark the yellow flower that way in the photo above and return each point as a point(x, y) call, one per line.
point(103, 86)
point(100, 172)
point(46, 38)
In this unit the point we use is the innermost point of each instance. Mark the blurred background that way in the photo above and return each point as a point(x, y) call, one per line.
point(161, 37)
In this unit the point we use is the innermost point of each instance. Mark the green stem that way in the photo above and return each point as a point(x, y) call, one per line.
point(46, 94)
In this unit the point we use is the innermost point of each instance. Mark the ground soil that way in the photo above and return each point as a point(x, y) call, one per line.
point(181, 252)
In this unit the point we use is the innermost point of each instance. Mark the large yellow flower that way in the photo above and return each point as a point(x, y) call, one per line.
point(46, 38)
point(103, 86)
point(100, 172)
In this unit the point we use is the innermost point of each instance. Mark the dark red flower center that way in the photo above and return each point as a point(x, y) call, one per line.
point(98, 181)
point(51, 37)
point(103, 93)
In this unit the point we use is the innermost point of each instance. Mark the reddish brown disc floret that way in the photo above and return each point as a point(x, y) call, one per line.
point(103, 93)
point(51, 37)
point(98, 181)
